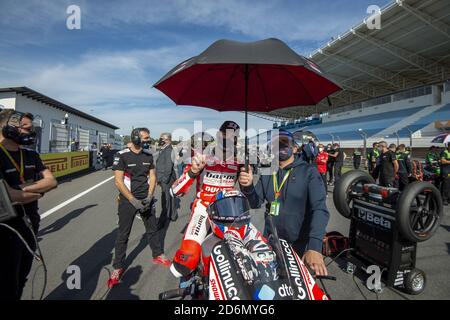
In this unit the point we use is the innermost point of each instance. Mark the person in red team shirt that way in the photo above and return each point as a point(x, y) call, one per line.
point(213, 170)
point(321, 161)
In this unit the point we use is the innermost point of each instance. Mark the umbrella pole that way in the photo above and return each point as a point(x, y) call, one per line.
point(246, 118)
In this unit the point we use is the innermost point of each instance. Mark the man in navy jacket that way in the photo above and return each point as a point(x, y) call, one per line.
point(303, 214)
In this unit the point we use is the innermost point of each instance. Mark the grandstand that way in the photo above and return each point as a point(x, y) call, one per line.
point(395, 80)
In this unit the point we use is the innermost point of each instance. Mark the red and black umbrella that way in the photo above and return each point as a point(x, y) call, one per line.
point(254, 76)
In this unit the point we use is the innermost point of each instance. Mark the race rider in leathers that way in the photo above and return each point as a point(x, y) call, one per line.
point(213, 170)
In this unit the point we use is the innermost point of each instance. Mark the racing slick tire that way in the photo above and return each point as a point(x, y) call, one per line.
point(415, 282)
point(342, 188)
point(419, 211)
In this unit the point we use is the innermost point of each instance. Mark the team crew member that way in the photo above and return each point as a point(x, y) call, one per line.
point(27, 180)
point(321, 161)
point(432, 160)
point(404, 167)
point(356, 158)
point(330, 163)
point(165, 177)
point(296, 196)
point(310, 151)
point(136, 180)
point(388, 166)
point(372, 160)
point(213, 170)
point(339, 156)
point(445, 172)
point(104, 151)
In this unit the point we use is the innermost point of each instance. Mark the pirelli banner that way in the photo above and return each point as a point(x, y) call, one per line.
point(64, 163)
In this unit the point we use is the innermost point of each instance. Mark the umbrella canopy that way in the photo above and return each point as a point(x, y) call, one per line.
point(442, 138)
point(247, 76)
point(253, 76)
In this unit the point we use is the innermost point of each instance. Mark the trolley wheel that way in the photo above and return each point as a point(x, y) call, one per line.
point(343, 187)
point(419, 211)
point(415, 282)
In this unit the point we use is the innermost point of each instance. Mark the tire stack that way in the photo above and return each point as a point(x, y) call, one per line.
point(419, 210)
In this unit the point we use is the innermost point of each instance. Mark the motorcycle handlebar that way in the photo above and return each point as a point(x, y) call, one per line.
point(172, 294)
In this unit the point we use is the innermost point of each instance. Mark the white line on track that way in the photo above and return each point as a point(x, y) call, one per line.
point(65, 203)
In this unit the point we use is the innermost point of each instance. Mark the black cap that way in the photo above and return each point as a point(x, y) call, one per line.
point(229, 125)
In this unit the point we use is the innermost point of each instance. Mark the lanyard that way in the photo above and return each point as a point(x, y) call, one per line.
point(20, 169)
point(277, 189)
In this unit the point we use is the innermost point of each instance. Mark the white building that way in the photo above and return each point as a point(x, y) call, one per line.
point(57, 124)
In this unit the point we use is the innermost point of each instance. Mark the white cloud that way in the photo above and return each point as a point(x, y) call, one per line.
point(288, 20)
point(116, 87)
point(117, 84)
point(167, 117)
point(99, 77)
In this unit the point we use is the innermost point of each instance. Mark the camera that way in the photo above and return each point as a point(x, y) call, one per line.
point(7, 211)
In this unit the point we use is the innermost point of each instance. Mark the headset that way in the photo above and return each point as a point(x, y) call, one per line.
point(135, 137)
point(12, 132)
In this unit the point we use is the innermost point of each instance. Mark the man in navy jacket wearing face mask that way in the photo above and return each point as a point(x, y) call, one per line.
point(297, 190)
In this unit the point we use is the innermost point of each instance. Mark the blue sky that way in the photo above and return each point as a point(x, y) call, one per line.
point(108, 67)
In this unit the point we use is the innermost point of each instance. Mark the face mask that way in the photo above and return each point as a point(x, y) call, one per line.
point(24, 139)
point(145, 145)
point(320, 149)
point(161, 142)
point(27, 138)
point(285, 153)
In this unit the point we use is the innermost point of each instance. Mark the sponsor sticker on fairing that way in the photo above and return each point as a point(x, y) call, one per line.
point(222, 270)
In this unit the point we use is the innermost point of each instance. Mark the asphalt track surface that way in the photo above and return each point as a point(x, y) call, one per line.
point(82, 233)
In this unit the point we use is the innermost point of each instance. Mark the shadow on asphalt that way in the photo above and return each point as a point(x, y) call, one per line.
point(60, 223)
point(95, 266)
point(92, 264)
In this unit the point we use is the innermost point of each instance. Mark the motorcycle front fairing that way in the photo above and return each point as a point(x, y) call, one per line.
point(228, 278)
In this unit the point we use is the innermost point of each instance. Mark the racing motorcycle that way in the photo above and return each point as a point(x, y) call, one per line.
point(238, 263)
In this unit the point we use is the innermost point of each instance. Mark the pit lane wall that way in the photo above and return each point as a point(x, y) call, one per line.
point(65, 163)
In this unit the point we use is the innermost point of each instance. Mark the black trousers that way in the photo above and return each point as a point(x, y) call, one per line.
point(16, 260)
point(403, 180)
point(374, 171)
point(126, 217)
point(446, 189)
point(387, 181)
point(337, 171)
point(356, 163)
point(330, 166)
point(324, 178)
point(167, 211)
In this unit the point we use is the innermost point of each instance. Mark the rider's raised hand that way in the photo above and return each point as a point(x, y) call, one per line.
point(246, 178)
point(198, 163)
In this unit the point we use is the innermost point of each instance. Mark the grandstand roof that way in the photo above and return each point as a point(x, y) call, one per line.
point(411, 49)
